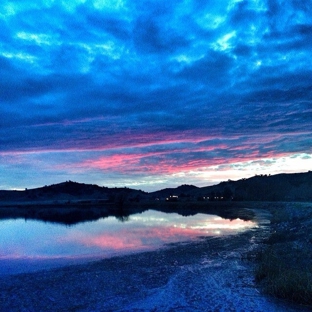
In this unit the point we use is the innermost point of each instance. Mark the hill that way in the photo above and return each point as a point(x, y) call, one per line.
point(280, 187)
point(182, 191)
point(70, 192)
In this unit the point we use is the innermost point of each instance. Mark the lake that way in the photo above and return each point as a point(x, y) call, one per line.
point(28, 245)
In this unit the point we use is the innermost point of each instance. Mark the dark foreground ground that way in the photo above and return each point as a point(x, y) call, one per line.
point(284, 262)
point(234, 273)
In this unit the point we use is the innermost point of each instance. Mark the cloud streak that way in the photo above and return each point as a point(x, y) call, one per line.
point(152, 86)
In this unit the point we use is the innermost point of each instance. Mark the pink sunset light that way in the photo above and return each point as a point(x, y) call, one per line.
point(152, 230)
point(136, 104)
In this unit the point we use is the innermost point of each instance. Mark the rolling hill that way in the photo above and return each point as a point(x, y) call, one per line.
point(280, 187)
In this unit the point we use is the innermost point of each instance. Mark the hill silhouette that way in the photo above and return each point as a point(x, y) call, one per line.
point(280, 187)
point(70, 191)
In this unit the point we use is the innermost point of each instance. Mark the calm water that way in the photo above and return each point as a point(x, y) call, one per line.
point(30, 245)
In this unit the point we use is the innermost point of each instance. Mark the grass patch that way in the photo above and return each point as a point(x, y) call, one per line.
point(284, 265)
point(284, 277)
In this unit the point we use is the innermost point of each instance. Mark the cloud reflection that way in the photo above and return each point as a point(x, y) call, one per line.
point(154, 229)
point(149, 230)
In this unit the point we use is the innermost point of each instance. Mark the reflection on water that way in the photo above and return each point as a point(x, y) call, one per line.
point(22, 239)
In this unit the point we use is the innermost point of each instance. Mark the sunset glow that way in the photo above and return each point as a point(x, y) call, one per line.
point(153, 94)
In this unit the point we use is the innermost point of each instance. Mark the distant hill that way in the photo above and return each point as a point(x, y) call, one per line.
point(181, 191)
point(280, 187)
point(70, 191)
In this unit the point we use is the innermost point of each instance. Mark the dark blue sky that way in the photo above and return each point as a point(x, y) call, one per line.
point(151, 94)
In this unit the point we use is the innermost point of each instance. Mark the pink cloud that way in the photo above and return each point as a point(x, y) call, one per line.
point(151, 153)
point(164, 162)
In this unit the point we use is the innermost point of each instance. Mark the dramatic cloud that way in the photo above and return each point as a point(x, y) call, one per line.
point(144, 93)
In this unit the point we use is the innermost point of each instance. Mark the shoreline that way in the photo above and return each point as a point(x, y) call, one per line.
point(126, 283)
point(130, 279)
point(74, 213)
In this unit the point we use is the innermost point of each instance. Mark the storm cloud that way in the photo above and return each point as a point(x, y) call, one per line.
point(114, 91)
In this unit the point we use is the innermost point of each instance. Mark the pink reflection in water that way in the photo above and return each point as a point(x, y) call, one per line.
point(153, 229)
point(149, 230)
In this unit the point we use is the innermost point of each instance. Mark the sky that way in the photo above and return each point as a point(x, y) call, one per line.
point(151, 94)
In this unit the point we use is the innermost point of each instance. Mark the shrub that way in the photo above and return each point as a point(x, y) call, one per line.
point(284, 277)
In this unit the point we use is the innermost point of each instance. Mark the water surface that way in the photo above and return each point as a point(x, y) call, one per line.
point(27, 245)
